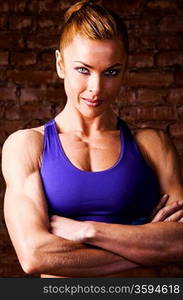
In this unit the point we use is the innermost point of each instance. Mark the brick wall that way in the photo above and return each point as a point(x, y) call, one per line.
point(30, 92)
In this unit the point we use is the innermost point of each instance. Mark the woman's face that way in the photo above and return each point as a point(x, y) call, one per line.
point(93, 72)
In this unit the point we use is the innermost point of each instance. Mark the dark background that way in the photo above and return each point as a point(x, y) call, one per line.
point(31, 93)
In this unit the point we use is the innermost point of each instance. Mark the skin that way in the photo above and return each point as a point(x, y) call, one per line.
point(91, 131)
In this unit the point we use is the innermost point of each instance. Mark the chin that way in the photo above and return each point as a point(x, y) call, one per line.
point(91, 113)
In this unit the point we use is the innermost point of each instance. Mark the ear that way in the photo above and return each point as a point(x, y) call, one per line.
point(59, 64)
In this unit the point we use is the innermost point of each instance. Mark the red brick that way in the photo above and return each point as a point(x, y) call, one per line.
point(178, 75)
point(147, 42)
point(9, 126)
point(4, 58)
point(24, 58)
point(12, 112)
point(176, 130)
point(159, 113)
point(8, 41)
point(175, 95)
point(127, 95)
point(166, 59)
point(169, 42)
point(57, 95)
point(12, 269)
point(43, 6)
point(141, 60)
point(43, 41)
point(2, 110)
point(28, 112)
point(35, 122)
point(3, 22)
point(132, 7)
point(149, 79)
point(39, 111)
point(13, 6)
point(8, 93)
point(144, 25)
point(49, 23)
point(31, 95)
point(152, 96)
point(48, 59)
point(180, 112)
point(20, 22)
point(32, 77)
point(171, 24)
point(3, 75)
point(133, 41)
point(162, 4)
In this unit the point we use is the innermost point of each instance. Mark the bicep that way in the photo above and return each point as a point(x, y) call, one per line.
point(168, 167)
point(25, 208)
point(26, 205)
point(25, 219)
point(164, 160)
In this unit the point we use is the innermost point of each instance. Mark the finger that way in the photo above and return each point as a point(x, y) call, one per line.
point(181, 220)
point(161, 204)
point(165, 212)
point(175, 217)
point(168, 210)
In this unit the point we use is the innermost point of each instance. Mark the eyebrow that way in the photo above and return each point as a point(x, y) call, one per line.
point(115, 65)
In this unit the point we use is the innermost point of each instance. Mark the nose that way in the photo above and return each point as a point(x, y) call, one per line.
point(95, 84)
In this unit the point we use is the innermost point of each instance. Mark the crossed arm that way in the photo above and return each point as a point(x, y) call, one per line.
point(151, 244)
point(158, 243)
point(26, 217)
point(40, 250)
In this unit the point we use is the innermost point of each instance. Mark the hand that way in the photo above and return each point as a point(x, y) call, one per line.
point(70, 229)
point(173, 212)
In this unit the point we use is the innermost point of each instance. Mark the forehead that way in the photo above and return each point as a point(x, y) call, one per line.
point(94, 51)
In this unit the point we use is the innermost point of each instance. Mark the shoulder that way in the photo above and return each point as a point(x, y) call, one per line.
point(23, 137)
point(154, 141)
point(23, 144)
point(160, 150)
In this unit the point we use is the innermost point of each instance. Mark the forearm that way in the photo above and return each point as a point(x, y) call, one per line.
point(58, 256)
point(168, 270)
point(151, 244)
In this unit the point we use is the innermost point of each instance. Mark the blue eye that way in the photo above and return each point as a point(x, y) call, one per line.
point(82, 70)
point(112, 72)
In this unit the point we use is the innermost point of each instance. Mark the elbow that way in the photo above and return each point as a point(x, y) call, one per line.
point(30, 262)
point(28, 268)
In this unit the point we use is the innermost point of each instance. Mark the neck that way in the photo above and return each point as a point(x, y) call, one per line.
point(71, 119)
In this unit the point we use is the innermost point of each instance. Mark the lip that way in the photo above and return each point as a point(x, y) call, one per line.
point(92, 102)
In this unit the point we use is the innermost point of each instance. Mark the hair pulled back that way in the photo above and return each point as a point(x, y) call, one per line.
point(93, 21)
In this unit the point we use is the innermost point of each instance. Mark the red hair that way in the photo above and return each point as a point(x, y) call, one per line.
point(93, 21)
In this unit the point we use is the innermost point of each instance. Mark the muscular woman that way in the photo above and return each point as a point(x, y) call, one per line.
point(82, 191)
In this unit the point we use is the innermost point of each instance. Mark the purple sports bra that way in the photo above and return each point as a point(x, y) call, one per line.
point(126, 193)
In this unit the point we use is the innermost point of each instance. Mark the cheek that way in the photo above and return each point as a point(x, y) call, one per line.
point(74, 86)
point(75, 82)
